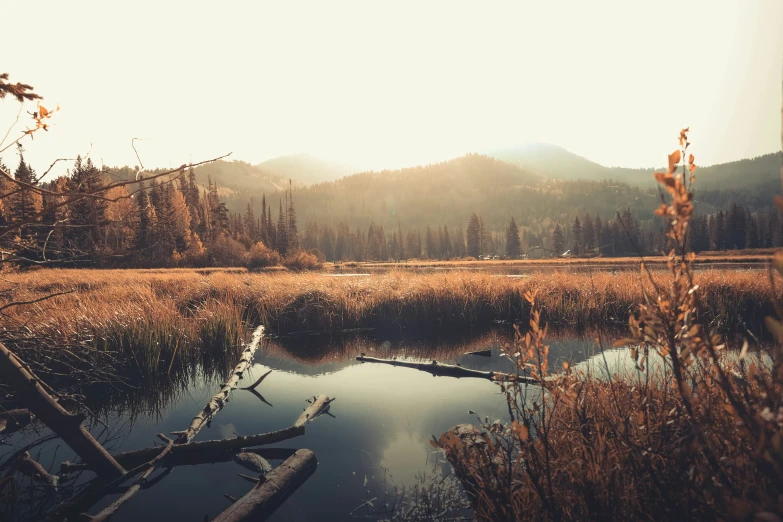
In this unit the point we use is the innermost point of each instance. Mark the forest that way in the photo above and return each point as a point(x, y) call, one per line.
point(485, 207)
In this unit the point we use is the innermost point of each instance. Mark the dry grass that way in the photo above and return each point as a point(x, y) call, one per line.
point(755, 257)
point(162, 318)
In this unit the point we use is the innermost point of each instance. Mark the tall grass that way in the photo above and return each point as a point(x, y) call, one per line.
point(159, 319)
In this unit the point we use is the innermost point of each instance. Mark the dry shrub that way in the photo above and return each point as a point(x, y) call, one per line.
point(260, 256)
point(695, 434)
point(301, 261)
point(226, 251)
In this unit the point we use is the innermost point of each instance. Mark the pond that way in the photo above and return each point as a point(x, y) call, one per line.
point(375, 440)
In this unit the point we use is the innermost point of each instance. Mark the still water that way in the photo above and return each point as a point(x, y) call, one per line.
point(376, 440)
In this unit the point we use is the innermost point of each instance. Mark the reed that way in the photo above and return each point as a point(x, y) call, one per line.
point(158, 320)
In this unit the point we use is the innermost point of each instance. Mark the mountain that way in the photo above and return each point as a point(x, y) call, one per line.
point(448, 192)
point(237, 178)
point(550, 161)
point(304, 169)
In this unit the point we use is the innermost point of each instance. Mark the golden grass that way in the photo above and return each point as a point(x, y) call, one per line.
point(156, 317)
point(758, 256)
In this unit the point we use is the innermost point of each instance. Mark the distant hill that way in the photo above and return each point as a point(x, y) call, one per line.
point(551, 161)
point(304, 169)
point(238, 178)
point(448, 192)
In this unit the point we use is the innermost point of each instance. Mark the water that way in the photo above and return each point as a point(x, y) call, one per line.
point(377, 439)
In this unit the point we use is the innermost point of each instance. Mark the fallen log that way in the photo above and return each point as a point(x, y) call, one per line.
point(221, 398)
point(253, 462)
point(449, 370)
point(190, 459)
point(14, 420)
point(112, 508)
point(481, 353)
point(31, 467)
point(318, 407)
point(67, 426)
point(261, 501)
point(205, 451)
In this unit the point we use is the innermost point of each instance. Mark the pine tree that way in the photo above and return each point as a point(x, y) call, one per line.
point(263, 232)
point(292, 232)
point(429, 244)
point(447, 248)
point(281, 236)
point(558, 243)
point(474, 236)
point(87, 216)
point(588, 232)
point(250, 222)
point(513, 243)
point(576, 229)
point(24, 204)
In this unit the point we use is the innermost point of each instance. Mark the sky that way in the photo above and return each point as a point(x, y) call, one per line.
point(394, 84)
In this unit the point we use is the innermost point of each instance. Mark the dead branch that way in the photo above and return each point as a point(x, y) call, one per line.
point(318, 407)
point(197, 452)
point(150, 467)
point(14, 420)
point(66, 425)
point(31, 467)
point(218, 401)
point(448, 370)
point(266, 496)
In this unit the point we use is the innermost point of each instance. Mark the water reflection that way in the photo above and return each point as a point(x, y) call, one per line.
point(383, 418)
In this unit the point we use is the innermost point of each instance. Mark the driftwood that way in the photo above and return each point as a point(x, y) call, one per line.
point(253, 462)
point(449, 370)
point(189, 459)
point(66, 425)
point(112, 508)
point(14, 420)
point(266, 496)
point(218, 401)
point(28, 466)
point(205, 451)
point(318, 407)
point(481, 353)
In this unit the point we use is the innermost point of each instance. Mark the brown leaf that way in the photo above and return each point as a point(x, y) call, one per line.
point(674, 159)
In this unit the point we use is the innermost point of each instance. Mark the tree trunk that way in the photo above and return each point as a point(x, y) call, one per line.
point(450, 370)
point(319, 406)
point(206, 451)
point(14, 420)
point(66, 425)
point(218, 401)
point(267, 496)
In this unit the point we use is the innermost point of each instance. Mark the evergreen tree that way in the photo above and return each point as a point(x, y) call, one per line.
point(86, 216)
point(447, 247)
point(281, 236)
point(250, 222)
point(474, 236)
point(263, 235)
point(24, 203)
point(292, 232)
point(576, 229)
point(513, 243)
point(588, 232)
point(558, 243)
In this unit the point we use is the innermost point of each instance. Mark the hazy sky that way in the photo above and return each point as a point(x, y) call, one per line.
point(397, 83)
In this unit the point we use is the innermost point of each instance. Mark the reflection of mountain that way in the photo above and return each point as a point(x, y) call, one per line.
point(325, 354)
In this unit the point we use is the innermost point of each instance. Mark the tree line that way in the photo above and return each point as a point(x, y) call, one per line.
point(175, 221)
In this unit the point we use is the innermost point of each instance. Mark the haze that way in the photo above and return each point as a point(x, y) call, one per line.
point(401, 83)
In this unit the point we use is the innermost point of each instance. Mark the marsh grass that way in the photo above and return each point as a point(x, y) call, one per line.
point(158, 321)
